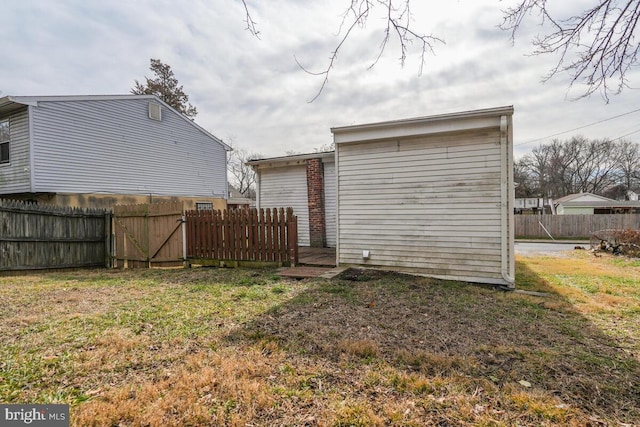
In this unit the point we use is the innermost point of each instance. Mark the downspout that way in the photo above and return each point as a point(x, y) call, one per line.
point(507, 195)
point(31, 149)
point(337, 184)
point(256, 169)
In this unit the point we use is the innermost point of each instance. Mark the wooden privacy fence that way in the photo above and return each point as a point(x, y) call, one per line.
point(581, 226)
point(36, 237)
point(148, 235)
point(267, 235)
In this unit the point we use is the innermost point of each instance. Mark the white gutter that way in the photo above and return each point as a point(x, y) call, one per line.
point(258, 187)
point(506, 208)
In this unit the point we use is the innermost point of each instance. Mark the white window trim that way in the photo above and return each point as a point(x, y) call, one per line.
point(8, 142)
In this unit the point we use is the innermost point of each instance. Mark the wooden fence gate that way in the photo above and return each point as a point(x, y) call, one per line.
point(148, 235)
point(234, 236)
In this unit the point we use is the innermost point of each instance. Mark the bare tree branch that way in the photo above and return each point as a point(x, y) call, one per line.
point(251, 24)
point(398, 21)
point(358, 20)
point(596, 48)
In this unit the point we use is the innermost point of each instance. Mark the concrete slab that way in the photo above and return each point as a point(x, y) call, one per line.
point(333, 272)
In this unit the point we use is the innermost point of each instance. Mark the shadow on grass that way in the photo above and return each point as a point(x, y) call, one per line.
point(518, 350)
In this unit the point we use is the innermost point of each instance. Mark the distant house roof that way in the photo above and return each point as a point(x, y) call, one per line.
point(590, 200)
point(582, 197)
point(10, 103)
point(235, 197)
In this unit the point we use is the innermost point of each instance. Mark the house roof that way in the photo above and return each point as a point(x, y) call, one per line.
point(296, 159)
point(451, 122)
point(236, 198)
point(611, 204)
point(10, 103)
point(590, 200)
point(582, 197)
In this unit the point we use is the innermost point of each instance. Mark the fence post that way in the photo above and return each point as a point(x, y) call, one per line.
point(292, 237)
point(108, 242)
point(183, 218)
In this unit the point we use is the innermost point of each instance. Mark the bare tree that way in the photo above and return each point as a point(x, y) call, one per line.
point(629, 164)
point(242, 176)
point(577, 165)
point(596, 166)
point(522, 176)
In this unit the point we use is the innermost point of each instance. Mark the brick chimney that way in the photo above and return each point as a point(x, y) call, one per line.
point(315, 193)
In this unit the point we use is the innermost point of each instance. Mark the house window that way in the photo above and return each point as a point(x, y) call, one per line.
point(204, 206)
point(4, 141)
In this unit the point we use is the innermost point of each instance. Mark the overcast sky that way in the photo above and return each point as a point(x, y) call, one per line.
point(251, 92)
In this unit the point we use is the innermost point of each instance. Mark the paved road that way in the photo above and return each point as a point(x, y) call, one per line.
point(547, 248)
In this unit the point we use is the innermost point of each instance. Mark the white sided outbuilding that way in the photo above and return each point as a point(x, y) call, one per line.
point(305, 182)
point(431, 195)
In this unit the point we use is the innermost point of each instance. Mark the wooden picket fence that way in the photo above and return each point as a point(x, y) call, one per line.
point(239, 235)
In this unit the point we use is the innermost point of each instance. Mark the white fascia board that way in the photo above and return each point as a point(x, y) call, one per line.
point(296, 159)
point(33, 100)
point(453, 122)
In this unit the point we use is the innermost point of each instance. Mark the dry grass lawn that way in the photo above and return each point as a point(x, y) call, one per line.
point(247, 348)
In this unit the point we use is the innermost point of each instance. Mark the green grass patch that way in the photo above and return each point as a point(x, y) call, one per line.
point(212, 346)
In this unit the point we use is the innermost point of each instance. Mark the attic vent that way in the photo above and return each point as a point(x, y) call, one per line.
point(155, 111)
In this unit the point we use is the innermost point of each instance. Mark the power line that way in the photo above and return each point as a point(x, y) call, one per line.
point(626, 134)
point(582, 127)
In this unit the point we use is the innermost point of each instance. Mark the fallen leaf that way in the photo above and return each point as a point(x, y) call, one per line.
point(524, 383)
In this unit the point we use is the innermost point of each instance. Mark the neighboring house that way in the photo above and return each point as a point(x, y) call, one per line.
point(305, 182)
point(531, 205)
point(431, 195)
point(633, 195)
point(589, 204)
point(236, 200)
point(96, 151)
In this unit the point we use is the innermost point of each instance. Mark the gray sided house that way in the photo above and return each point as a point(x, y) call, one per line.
point(305, 182)
point(431, 195)
point(95, 151)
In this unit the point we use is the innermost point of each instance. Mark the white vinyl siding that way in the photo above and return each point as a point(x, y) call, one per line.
point(14, 175)
point(429, 205)
point(330, 202)
point(284, 187)
point(111, 146)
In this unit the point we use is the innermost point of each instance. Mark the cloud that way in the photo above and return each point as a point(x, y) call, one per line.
point(252, 89)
